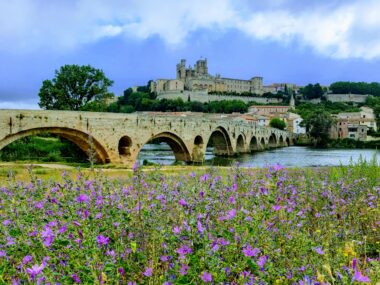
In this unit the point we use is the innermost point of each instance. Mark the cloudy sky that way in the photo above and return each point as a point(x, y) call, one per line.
point(133, 41)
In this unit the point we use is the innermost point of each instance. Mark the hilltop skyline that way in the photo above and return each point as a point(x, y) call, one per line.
point(135, 41)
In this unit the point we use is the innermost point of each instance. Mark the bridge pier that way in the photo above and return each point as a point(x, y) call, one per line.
point(118, 138)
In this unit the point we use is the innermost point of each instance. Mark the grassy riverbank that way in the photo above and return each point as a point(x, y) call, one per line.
point(191, 225)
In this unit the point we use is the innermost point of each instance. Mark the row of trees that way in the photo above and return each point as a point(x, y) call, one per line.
point(345, 87)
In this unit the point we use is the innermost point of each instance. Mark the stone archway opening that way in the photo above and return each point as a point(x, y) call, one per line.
point(220, 143)
point(89, 147)
point(262, 144)
point(254, 145)
point(281, 141)
point(124, 146)
point(287, 142)
point(272, 143)
point(240, 144)
point(164, 148)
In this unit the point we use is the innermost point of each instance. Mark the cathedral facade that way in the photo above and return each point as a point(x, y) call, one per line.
point(197, 78)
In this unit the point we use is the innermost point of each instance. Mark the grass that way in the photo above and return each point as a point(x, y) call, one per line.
point(191, 225)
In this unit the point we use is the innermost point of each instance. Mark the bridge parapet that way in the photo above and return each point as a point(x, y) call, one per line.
point(118, 138)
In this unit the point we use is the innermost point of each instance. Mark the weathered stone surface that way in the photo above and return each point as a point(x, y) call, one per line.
point(118, 138)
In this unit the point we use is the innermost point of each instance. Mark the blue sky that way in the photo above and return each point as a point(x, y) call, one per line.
point(133, 41)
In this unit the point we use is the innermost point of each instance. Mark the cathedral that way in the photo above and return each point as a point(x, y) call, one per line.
point(197, 78)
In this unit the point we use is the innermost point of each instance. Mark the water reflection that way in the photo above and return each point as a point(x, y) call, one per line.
point(288, 156)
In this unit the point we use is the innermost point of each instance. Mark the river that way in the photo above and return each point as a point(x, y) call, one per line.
point(294, 156)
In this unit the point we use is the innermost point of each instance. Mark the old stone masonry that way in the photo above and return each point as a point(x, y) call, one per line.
point(118, 138)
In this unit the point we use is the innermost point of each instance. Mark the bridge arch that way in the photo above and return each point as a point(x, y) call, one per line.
point(176, 144)
point(220, 140)
point(287, 141)
point(272, 142)
point(262, 144)
point(240, 144)
point(281, 141)
point(254, 144)
point(84, 141)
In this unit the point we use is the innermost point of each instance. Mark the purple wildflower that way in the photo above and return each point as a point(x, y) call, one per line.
point(262, 260)
point(102, 240)
point(276, 207)
point(183, 250)
point(3, 253)
point(360, 278)
point(121, 271)
point(231, 214)
point(206, 277)
point(176, 230)
point(184, 269)
point(249, 251)
point(27, 259)
point(199, 226)
point(76, 278)
point(82, 198)
point(319, 250)
point(182, 202)
point(148, 272)
point(35, 270)
point(10, 241)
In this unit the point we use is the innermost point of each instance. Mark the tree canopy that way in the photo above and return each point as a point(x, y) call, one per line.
point(277, 123)
point(73, 87)
point(318, 125)
point(311, 91)
point(346, 87)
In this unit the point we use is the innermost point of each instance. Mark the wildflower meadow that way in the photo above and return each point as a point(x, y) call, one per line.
point(241, 226)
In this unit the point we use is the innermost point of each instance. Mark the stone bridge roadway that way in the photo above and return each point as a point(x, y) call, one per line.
point(118, 138)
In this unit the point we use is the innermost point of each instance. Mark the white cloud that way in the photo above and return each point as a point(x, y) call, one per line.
point(348, 30)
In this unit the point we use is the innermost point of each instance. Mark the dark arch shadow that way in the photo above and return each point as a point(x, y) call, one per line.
point(84, 141)
point(240, 144)
point(254, 144)
point(272, 141)
point(176, 144)
point(281, 141)
point(221, 142)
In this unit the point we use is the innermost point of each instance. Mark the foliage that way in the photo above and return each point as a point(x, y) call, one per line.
point(256, 227)
point(42, 148)
point(277, 123)
point(318, 126)
point(374, 103)
point(140, 101)
point(311, 91)
point(73, 87)
point(346, 87)
point(306, 109)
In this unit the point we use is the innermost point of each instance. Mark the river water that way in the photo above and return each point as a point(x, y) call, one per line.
point(294, 156)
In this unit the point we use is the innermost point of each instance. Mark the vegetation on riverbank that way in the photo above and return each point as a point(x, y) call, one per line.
point(243, 226)
point(43, 148)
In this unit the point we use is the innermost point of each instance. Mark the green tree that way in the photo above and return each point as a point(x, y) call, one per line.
point(318, 126)
point(277, 123)
point(73, 87)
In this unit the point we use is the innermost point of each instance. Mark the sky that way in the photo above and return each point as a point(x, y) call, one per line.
point(134, 41)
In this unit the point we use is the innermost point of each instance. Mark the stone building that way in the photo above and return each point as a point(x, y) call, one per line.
point(353, 125)
point(197, 78)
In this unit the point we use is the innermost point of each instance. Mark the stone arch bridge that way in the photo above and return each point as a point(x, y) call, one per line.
point(118, 138)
